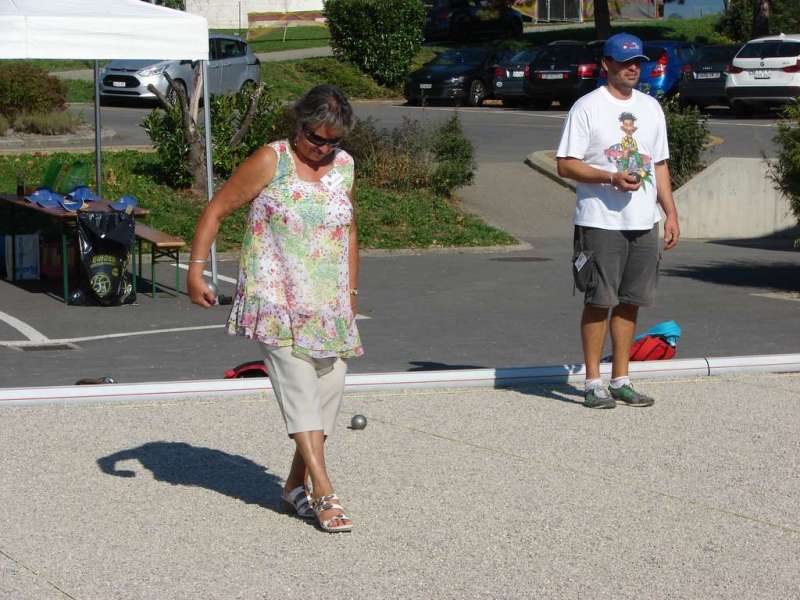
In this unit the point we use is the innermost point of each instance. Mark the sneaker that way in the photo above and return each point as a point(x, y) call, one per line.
point(630, 396)
point(597, 397)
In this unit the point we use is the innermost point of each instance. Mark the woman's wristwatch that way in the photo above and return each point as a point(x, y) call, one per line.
point(354, 291)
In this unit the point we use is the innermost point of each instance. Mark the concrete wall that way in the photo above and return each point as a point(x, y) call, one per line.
point(226, 14)
point(732, 198)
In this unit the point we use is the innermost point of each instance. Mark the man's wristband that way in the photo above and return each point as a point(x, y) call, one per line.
point(354, 291)
point(200, 261)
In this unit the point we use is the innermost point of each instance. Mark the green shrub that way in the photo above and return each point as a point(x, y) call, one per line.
point(165, 129)
point(4, 125)
point(410, 157)
point(28, 88)
point(52, 123)
point(786, 170)
point(381, 37)
point(688, 134)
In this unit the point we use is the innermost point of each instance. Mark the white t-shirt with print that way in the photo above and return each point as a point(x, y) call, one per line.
point(616, 135)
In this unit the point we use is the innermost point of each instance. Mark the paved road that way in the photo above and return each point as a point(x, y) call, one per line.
point(455, 494)
point(499, 134)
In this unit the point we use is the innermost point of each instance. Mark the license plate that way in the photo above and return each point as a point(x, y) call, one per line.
point(551, 75)
point(707, 75)
point(517, 73)
point(425, 86)
point(761, 74)
point(118, 84)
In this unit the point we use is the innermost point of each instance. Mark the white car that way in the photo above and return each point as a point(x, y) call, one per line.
point(231, 66)
point(766, 71)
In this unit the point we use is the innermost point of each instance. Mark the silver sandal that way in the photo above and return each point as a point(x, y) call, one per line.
point(299, 502)
point(328, 502)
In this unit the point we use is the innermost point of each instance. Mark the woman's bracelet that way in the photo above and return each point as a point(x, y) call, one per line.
point(199, 261)
point(354, 291)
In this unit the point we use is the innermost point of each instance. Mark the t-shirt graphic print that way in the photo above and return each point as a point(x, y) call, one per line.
point(626, 156)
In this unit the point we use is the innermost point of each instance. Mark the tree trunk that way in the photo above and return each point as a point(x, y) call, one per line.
point(761, 17)
point(602, 19)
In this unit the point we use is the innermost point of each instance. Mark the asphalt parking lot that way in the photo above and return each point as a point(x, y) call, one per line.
point(425, 311)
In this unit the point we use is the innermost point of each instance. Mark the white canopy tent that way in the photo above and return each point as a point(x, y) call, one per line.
point(101, 30)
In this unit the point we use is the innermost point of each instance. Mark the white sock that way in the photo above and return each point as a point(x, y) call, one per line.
point(618, 382)
point(593, 383)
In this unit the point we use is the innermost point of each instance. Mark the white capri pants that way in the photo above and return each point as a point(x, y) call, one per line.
point(309, 391)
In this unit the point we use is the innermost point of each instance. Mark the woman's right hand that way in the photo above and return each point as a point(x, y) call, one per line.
point(200, 293)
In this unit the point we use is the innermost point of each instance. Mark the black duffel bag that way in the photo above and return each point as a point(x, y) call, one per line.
point(105, 240)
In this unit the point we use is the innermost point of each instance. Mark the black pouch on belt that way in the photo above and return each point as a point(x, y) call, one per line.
point(584, 269)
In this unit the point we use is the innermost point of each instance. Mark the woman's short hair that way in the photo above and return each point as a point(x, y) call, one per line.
point(324, 105)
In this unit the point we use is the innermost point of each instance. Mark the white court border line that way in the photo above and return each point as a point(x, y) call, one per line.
point(466, 378)
point(34, 335)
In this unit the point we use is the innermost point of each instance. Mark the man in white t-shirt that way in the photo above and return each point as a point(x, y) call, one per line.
point(614, 145)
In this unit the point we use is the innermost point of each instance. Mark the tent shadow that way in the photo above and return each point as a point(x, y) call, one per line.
point(179, 463)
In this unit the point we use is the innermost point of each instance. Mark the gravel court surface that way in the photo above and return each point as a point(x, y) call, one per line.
point(454, 493)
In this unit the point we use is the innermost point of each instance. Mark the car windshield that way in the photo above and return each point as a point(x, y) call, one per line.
point(525, 56)
point(770, 49)
point(467, 56)
point(716, 54)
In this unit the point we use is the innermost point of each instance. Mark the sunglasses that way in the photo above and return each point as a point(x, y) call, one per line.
point(321, 141)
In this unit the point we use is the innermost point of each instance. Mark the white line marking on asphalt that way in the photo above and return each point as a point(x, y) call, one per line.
point(710, 122)
point(793, 296)
point(208, 274)
point(29, 332)
point(497, 111)
point(89, 338)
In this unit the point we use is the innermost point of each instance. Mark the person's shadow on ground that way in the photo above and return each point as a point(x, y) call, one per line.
point(178, 463)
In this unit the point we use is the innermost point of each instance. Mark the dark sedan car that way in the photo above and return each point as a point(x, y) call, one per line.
point(563, 71)
point(463, 75)
point(703, 81)
point(509, 77)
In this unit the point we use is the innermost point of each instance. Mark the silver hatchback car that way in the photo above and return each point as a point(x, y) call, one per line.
point(231, 66)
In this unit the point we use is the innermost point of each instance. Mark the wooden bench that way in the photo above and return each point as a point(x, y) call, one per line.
point(162, 246)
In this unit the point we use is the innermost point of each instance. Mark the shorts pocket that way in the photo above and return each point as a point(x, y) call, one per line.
point(584, 270)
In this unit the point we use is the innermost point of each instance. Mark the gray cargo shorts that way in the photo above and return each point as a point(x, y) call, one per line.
point(626, 264)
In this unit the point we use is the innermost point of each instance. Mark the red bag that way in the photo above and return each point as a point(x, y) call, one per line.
point(252, 368)
point(651, 347)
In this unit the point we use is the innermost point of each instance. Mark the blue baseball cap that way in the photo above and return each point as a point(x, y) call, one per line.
point(623, 47)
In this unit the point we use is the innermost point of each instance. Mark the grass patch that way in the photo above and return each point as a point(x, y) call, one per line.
point(700, 30)
point(418, 219)
point(414, 219)
point(79, 90)
point(271, 39)
point(53, 123)
point(289, 79)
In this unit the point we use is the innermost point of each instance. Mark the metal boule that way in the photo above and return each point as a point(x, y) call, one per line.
point(358, 422)
point(635, 176)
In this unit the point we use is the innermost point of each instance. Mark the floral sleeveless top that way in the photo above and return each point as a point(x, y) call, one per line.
point(293, 287)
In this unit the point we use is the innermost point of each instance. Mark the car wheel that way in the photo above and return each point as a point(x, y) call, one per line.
point(172, 95)
point(477, 93)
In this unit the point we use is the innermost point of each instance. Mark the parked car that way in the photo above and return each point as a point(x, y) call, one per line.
point(765, 71)
point(509, 77)
point(466, 19)
point(231, 66)
point(564, 71)
point(463, 75)
point(662, 73)
point(703, 81)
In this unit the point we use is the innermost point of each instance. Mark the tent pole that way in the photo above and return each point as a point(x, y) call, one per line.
point(97, 158)
point(209, 162)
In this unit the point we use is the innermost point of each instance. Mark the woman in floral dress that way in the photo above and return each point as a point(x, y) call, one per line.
point(298, 283)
